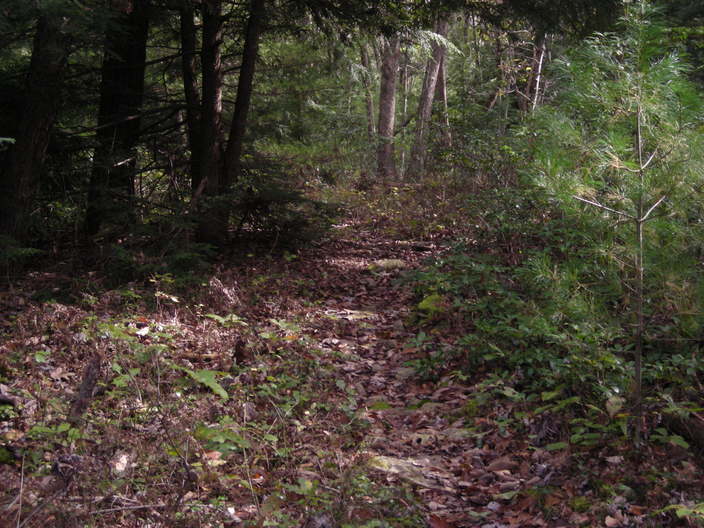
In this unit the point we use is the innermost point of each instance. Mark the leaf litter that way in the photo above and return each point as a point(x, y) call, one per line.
point(281, 394)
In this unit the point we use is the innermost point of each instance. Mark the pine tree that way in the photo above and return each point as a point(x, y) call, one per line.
point(620, 141)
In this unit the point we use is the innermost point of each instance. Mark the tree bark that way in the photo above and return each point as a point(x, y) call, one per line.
point(405, 81)
point(238, 127)
point(425, 106)
point(19, 181)
point(214, 223)
point(538, 63)
point(441, 93)
point(190, 88)
point(368, 99)
point(211, 169)
point(386, 164)
point(111, 191)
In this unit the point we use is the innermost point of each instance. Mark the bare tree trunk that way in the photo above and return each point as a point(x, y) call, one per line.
point(405, 82)
point(214, 224)
point(111, 191)
point(538, 62)
point(211, 109)
point(238, 127)
point(640, 273)
point(441, 93)
point(369, 100)
point(20, 180)
point(387, 109)
point(211, 169)
point(425, 105)
point(190, 88)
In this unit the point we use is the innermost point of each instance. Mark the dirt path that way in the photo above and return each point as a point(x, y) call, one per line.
point(284, 398)
point(418, 431)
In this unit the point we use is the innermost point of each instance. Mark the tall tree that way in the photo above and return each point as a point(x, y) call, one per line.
point(20, 179)
point(386, 163)
point(219, 174)
point(210, 141)
point(425, 104)
point(245, 84)
point(366, 82)
point(190, 87)
point(111, 190)
point(441, 94)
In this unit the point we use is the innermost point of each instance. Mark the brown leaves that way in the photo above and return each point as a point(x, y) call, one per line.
point(437, 522)
point(320, 390)
point(501, 464)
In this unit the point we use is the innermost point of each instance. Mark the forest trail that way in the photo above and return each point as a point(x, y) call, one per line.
point(283, 394)
point(417, 431)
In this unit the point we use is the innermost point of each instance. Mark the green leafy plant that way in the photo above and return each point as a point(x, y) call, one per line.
point(207, 378)
point(630, 114)
point(228, 321)
point(223, 437)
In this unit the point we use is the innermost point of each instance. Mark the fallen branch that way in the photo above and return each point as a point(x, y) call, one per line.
point(124, 508)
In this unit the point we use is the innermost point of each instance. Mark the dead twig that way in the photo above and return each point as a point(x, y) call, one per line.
point(125, 508)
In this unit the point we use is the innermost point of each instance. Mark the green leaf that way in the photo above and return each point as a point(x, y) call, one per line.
point(432, 304)
point(216, 317)
point(63, 427)
point(207, 378)
point(121, 381)
point(556, 446)
point(551, 395)
point(507, 495)
point(42, 356)
point(679, 441)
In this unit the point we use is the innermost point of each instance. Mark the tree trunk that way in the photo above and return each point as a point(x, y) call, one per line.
point(538, 63)
point(210, 170)
point(369, 100)
point(387, 109)
point(441, 93)
point(425, 105)
point(111, 191)
point(190, 88)
point(238, 127)
point(405, 81)
point(214, 223)
point(19, 182)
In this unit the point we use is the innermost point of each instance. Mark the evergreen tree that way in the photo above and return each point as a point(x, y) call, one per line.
point(619, 139)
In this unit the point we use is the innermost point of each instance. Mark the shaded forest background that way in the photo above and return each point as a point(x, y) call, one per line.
point(548, 153)
point(129, 116)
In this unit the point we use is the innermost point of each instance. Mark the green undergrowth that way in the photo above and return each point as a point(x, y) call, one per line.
point(538, 304)
point(213, 431)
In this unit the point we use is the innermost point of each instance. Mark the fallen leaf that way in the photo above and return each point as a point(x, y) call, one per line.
point(214, 458)
point(405, 469)
point(436, 522)
point(637, 510)
point(120, 463)
point(501, 464)
point(611, 522)
point(614, 405)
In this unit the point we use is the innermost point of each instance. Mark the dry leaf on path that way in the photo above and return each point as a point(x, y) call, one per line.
point(436, 522)
point(406, 469)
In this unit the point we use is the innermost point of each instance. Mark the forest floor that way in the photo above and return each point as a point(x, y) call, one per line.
point(283, 391)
